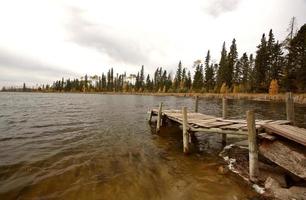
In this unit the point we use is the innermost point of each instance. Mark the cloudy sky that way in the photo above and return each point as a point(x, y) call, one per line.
point(44, 40)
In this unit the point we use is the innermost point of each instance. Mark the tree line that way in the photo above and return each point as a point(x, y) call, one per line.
point(276, 67)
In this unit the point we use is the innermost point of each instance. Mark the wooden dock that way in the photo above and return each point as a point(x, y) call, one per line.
point(198, 122)
point(253, 129)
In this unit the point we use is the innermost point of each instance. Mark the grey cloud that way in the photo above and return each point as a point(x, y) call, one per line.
point(107, 40)
point(20, 66)
point(218, 7)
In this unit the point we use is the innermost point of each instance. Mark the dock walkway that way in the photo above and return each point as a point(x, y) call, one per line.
point(275, 139)
point(198, 122)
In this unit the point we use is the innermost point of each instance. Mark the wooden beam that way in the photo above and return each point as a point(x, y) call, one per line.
point(219, 131)
point(290, 132)
point(185, 131)
point(288, 155)
point(267, 136)
point(253, 149)
point(158, 123)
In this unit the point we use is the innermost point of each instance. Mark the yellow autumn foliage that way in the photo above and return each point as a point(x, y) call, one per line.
point(223, 88)
point(273, 90)
point(236, 89)
point(239, 88)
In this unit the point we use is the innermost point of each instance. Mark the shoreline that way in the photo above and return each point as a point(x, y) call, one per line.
point(274, 182)
point(298, 98)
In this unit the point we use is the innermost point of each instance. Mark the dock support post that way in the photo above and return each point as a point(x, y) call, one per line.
point(185, 132)
point(159, 115)
point(253, 149)
point(224, 114)
point(150, 116)
point(290, 107)
point(196, 104)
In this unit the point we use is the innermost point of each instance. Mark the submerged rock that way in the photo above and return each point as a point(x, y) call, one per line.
point(275, 190)
point(223, 169)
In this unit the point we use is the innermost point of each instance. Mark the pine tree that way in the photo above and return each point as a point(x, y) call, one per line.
point(103, 82)
point(24, 88)
point(270, 57)
point(237, 76)
point(160, 83)
point(209, 78)
point(137, 83)
point(164, 81)
point(62, 84)
point(223, 64)
point(261, 66)
point(289, 72)
point(178, 76)
point(297, 61)
point(108, 81)
point(292, 32)
point(189, 81)
point(141, 78)
point(156, 80)
point(184, 78)
point(148, 83)
point(111, 79)
point(245, 66)
point(116, 83)
point(198, 78)
point(207, 66)
point(168, 82)
point(232, 60)
point(277, 62)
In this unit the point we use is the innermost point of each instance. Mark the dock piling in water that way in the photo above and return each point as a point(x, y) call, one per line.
point(253, 149)
point(158, 124)
point(290, 107)
point(196, 104)
point(185, 131)
point(150, 116)
point(224, 114)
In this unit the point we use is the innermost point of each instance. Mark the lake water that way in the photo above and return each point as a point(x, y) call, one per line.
point(94, 146)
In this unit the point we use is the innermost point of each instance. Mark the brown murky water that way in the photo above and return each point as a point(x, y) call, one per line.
point(92, 146)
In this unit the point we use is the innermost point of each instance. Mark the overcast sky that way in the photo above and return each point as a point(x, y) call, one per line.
point(44, 40)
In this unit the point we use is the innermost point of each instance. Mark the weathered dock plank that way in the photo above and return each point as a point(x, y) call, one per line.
point(199, 121)
point(216, 124)
point(234, 126)
point(280, 122)
point(290, 132)
point(278, 151)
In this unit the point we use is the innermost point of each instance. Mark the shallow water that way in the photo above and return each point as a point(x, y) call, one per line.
point(94, 146)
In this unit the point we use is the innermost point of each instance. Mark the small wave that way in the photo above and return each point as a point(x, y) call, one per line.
point(51, 125)
point(6, 139)
point(64, 130)
point(16, 121)
point(14, 138)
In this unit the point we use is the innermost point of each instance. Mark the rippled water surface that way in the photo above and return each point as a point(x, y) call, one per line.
point(94, 146)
